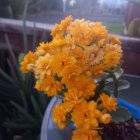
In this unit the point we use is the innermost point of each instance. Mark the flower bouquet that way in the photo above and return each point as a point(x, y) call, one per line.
point(81, 65)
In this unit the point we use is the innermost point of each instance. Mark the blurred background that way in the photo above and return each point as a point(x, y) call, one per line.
point(25, 23)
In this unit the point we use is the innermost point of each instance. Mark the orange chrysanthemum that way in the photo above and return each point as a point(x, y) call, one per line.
point(111, 60)
point(57, 45)
point(94, 55)
point(72, 94)
point(80, 32)
point(28, 63)
point(109, 102)
point(86, 86)
point(59, 116)
point(114, 40)
point(42, 67)
point(83, 33)
point(60, 61)
point(87, 115)
point(42, 49)
point(60, 29)
point(80, 52)
point(84, 134)
point(72, 98)
point(98, 70)
point(50, 86)
point(71, 76)
point(80, 56)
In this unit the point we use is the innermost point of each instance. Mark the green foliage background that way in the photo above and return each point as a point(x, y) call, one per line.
point(22, 107)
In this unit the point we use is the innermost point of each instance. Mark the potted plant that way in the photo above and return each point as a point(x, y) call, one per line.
point(79, 66)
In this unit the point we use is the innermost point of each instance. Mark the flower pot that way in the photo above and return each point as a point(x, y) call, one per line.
point(49, 130)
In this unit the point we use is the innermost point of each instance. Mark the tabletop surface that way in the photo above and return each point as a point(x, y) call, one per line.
point(132, 94)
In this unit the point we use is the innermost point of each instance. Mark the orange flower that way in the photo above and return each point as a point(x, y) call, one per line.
point(84, 33)
point(60, 61)
point(69, 106)
point(113, 48)
point(85, 115)
point(38, 86)
point(42, 49)
point(79, 52)
point(71, 76)
point(72, 98)
point(80, 56)
point(86, 86)
point(28, 63)
point(62, 27)
point(111, 60)
point(71, 95)
point(80, 32)
point(73, 79)
point(49, 86)
point(98, 32)
point(98, 70)
point(59, 116)
point(94, 55)
point(84, 134)
point(42, 67)
point(109, 102)
point(114, 40)
point(57, 45)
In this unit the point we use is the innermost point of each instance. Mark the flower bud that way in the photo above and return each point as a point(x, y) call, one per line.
point(88, 73)
point(30, 67)
point(37, 76)
point(62, 125)
point(106, 118)
point(41, 52)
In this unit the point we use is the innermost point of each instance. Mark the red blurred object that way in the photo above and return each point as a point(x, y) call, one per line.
point(131, 58)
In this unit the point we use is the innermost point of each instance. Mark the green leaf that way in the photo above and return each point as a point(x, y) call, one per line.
point(7, 77)
point(8, 91)
point(120, 115)
point(25, 39)
point(21, 57)
point(43, 101)
point(23, 112)
point(117, 72)
point(24, 100)
point(34, 37)
point(5, 108)
point(122, 85)
point(11, 51)
point(36, 107)
point(12, 70)
point(115, 82)
point(14, 125)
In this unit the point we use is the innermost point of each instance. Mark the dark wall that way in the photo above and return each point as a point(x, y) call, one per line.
point(15, 36)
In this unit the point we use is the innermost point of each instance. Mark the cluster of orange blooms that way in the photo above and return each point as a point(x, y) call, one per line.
point(79, 52)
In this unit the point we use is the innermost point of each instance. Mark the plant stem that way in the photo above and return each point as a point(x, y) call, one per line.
point(115, 80)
